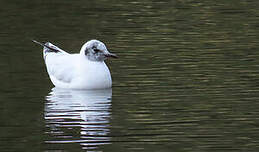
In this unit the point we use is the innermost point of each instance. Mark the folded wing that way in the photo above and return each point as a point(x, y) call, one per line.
point(60, 64)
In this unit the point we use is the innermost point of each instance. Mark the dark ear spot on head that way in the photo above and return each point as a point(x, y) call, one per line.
point(86, 52)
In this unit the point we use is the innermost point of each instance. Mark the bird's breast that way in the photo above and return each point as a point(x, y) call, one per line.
point(93, 76)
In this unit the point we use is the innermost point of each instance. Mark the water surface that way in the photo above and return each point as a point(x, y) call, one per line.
point(187, 78)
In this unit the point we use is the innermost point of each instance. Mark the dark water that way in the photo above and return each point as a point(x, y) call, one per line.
point(187, 78)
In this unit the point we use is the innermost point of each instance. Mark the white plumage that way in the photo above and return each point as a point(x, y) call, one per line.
point(86, 70)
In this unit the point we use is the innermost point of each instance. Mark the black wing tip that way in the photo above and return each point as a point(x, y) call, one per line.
point(38, 42)
point(34, 41)
point(48, 47)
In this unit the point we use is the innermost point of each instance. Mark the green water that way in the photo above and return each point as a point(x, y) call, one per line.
point(187, 78)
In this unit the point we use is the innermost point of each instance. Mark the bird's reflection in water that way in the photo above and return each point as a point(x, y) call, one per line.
point(78, 116)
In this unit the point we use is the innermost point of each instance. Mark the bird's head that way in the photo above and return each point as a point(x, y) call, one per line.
point(95, 50)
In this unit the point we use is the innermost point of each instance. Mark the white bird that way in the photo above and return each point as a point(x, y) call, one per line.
point(86, 70)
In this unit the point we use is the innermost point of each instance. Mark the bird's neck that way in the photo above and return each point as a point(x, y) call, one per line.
point(85, 61)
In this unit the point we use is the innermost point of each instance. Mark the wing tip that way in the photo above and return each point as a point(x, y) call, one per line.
point(48, 47)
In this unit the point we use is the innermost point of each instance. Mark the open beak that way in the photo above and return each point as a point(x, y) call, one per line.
point(111, 55)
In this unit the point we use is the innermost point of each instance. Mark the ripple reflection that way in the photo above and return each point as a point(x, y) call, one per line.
point(78, 116)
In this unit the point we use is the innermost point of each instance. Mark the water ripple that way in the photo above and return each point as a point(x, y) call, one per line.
point(85, 111)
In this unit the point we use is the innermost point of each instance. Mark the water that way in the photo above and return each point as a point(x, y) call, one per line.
point(87, 112)
point(187, 78)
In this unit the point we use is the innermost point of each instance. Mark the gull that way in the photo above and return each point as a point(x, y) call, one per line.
point(84, 70)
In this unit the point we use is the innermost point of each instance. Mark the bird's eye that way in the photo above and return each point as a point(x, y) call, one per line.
point(97, 50)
